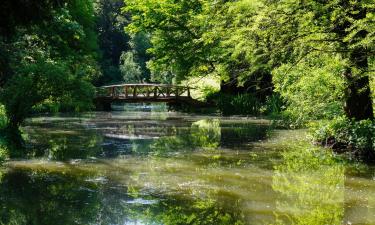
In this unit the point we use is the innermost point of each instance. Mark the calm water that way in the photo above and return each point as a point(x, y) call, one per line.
point(145, 165)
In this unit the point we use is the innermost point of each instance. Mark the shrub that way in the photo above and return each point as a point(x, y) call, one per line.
point(3, 151)
point(313, 89)
point(3, 117)
point(240, 104)
point(342, 133)
point(274, 105)
point(3, 154)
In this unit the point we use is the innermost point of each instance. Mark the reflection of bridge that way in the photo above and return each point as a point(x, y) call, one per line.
point(134, 93)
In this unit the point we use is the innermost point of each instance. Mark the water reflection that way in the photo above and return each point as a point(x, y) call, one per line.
point(311, 187)
point(104, 135)
point(158, 167)
point(45, 197)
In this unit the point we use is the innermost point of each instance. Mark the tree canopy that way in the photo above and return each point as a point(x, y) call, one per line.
point(49, 60)
point(246, 41)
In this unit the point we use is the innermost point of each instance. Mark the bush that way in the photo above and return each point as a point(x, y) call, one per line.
point(3, 150)
point(3, 154)
point(344, 134)
point(313, 89)
point(240, 104)
point(274, 105)
point(3, 117)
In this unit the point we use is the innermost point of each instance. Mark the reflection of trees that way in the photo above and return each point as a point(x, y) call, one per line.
point(46, 198)
point(238, 133)
point(66, 144)
point(202, 134)
point(311, 185)
point(71, 139)
point(176, 210)
point(206, 133)
point(74, 196)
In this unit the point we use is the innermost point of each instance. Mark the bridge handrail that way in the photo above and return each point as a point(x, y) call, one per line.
point(141, 90)
point(145, 85)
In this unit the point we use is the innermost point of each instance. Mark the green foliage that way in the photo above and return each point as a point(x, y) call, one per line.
point(312, 89)
point(4, 152)
point(241, 104)
point(51, 64)
point(130, 70)
point(3, 117)
point(203, 134)
point(295, 31)
point(20, 12)
point(342, 133)
point(176, 35)
point(112, 39)
point(273, 106)
point(202, 87)
point(247, 104)
point(318, 52)
point(140, 43)
point(310, 185)
point(38, 78)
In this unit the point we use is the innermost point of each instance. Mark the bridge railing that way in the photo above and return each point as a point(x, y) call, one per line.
point(143, 91)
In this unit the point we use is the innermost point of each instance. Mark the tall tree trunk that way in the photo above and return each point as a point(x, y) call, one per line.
point(358, 93)
point(358, 102)
point(358, 99)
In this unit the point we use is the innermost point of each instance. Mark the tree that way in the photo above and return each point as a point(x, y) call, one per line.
point(289, 31)
point(140, 44)
point(199, 38)
point(113, 40)
point(130, 70)
point(176, 35)
point(51, 60)
point(25, 12)
point(16, 13)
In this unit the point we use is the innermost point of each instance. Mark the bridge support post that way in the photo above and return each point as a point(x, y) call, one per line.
point(148, 92)
point(134, 91)
point(177, 92)
point(155, 92)
point(168, 92)
point(113, 92)
point(126, 92)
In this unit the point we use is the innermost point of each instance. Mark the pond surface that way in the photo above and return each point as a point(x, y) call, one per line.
point(144, 165)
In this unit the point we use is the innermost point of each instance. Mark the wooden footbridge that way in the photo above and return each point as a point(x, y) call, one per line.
point(138, 93)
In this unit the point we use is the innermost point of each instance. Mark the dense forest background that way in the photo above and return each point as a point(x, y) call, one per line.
point(295, 61)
